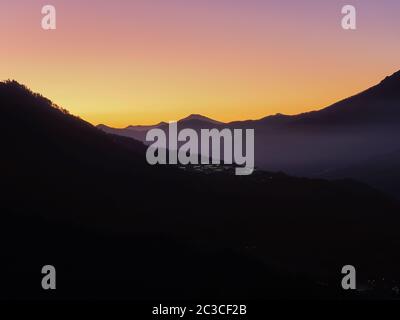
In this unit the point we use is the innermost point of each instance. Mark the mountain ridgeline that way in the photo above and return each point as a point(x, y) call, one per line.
point(115, 227)
point(340, 141)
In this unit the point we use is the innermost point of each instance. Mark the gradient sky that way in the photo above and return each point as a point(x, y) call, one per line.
point(127, 62)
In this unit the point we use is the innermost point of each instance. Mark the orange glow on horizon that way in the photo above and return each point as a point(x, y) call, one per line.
point(126, 63)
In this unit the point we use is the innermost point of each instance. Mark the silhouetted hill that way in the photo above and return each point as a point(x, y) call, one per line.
point(380, 171)
point(194, 121)
point(338, 138)
point(115, 227)
point(376, 106)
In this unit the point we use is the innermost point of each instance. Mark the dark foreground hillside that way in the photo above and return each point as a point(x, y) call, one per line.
point(114, 227)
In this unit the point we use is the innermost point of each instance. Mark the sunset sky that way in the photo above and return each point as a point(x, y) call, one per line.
point(125, 62)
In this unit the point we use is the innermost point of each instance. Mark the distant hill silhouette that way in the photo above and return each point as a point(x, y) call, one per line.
point(320, 143)
point(381, 171)
point(115, 227)
point(194, 121)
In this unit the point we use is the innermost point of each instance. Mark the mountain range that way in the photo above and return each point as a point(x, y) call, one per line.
point(353, 133)
point(114, 227)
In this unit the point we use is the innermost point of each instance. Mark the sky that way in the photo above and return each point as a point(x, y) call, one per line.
point(126, 62)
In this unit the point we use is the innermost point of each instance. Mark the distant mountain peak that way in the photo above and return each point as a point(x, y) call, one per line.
point(201, 118)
